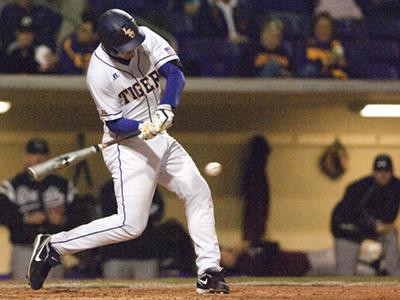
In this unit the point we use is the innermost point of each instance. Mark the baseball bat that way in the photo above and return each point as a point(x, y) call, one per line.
point(41, 170)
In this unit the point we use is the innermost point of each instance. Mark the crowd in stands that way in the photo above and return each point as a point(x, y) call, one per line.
point(225, 38)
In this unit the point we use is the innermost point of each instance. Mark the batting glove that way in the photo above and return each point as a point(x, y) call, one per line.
point(148, 130)
point(164, 117)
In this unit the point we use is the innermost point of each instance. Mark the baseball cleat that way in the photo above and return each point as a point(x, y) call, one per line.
point(212, 281)
point(43, 258)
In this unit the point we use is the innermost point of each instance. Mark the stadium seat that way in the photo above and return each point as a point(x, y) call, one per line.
point(296, 25)
point(304, 7)
point(210, 57)
point(298, 57)
point(351, 29)
point(356, 56)
point(382, 71)
point(382, 51)
point(181, 25)
point(379, 28)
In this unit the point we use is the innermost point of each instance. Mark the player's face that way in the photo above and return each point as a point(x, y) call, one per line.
point(33, 159)
point(126, 55)
point(383, 177)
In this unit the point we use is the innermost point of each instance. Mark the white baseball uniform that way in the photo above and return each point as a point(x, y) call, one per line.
point(133, 91)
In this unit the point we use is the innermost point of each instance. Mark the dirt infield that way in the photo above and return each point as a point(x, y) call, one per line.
point(166, 290)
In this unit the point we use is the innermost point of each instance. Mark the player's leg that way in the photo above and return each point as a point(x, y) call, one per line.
point(20, 257)
point(134, 185)
point(346, 255)
point(390, 252)
point(134, 167)
point(181, 176)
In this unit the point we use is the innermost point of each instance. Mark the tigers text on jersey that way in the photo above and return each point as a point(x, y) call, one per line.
point(131, 91)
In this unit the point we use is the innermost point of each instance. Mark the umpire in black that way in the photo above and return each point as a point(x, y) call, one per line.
point(368, 211)
point(28, 207)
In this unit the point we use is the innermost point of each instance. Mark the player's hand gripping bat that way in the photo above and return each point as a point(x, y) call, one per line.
point(41, 170)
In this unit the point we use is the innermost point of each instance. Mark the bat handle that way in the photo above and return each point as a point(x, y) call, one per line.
point(99, 147)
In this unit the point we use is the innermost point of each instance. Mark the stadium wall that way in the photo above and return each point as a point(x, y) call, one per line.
point(216, 119)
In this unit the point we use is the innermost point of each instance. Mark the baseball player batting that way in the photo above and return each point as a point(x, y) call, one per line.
point(124, 80)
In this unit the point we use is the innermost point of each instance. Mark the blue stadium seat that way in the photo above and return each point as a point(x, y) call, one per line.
point(181, 25)
point(382, 71)
point(379, 28)
point(304, 7)
point(210, 57)
point(382, 51)
point(296, 25)
point(298, 57)
point(133, 7)
point(356, 57)
point(351, 29)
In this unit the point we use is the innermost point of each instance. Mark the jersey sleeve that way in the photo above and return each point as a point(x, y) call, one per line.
point(160, 50)
point(107, 102)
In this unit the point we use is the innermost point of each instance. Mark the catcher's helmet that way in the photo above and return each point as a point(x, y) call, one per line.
point(118, 31)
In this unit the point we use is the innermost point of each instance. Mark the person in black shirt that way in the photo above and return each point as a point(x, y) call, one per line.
point(368, 211)
point(20, 54)
point(28, 208)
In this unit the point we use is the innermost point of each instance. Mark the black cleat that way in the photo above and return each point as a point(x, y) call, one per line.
point(212, 281)
point(43, 258)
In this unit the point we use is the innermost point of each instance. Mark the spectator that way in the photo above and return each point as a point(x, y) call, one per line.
point(270, 57)
point(136, 258)
point(368, 209)
point(78, 47)
point(339, 9)
point(256, 195)
point(324, 54)
point(223, 19)
point(19, 56)
point(255, 190)
point(29, 207)
point(47, 22)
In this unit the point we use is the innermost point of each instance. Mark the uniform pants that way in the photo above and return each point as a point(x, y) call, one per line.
point(136, 167)
point(347, 252)
point(21, 255)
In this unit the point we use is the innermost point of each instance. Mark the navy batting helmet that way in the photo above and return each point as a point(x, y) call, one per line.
point(118, 31)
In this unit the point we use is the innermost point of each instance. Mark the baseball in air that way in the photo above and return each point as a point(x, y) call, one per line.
point(213, 169)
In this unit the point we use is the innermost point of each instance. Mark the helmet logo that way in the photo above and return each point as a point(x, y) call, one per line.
point(129, 32)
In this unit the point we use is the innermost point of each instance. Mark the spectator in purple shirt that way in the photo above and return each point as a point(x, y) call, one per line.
point(78, 47)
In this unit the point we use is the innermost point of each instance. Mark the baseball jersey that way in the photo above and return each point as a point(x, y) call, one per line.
point(21, 196)
point(131, 91)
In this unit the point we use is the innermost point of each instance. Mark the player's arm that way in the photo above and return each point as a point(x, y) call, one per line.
point(172, 71)
point(124, 126)
point(164, 116)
